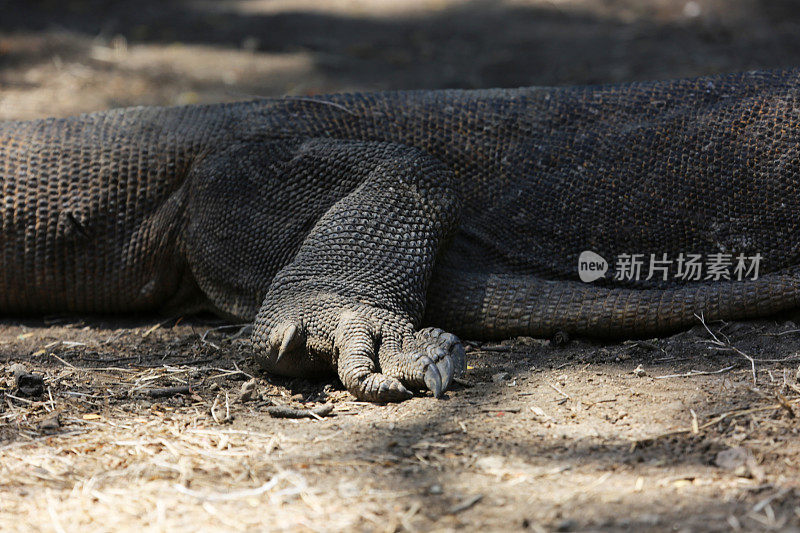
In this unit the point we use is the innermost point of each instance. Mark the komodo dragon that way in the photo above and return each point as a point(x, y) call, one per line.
point(351, 227)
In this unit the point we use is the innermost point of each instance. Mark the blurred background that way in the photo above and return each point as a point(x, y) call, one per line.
point(61, 57)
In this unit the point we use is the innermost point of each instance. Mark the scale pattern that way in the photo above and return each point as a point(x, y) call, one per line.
point(351, 227)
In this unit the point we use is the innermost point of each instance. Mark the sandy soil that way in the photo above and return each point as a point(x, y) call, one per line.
point(694, 432)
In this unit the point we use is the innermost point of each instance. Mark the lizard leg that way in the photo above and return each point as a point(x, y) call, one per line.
point(353, 296)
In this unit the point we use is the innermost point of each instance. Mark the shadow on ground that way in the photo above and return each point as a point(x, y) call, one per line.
point(582, 436)
point(588, 436)
point(232, 50)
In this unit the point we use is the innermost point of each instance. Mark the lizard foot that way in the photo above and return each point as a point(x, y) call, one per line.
point(431, 361)
point(377, 354)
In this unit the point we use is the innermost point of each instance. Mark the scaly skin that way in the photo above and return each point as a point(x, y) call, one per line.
point(351, 227)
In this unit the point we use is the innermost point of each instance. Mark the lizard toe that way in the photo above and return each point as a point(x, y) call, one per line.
point(355, 341)
point(446, 352)
point(281, 347)
point(433, 380)
point(431, 361)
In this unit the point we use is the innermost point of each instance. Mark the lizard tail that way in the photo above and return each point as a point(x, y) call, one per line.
point(490, 307)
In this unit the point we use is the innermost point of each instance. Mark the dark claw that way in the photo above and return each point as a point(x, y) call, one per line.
point(433, 380)
point(445, 366)
point(283, 339)
point(400, 393)
point(290, 338)
point(395, 390)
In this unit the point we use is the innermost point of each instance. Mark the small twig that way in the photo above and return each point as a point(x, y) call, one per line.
point(607, 400)
point(215, 406)
point(466, 504)
point(561, 392)
point(241, 327)
point(711, 422)
point(780, 333)
point(501, 348)
point(501, 409)
point(226, 372)
point(793, 357)
point(25, 400)
point(693, 373)
point(168, 392)
point(673, 359)
point(769, 499)
point(152, 329)
point(645, 344)
point(282, 411)
point(65, 362)
point(413, 510)
point(83, 394)
point(242, 372)
point(727, 345)
point(50, 394)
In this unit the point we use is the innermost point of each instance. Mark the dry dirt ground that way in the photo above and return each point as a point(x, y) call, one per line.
point(164, 425)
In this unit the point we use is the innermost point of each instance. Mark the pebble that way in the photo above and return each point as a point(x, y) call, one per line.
point(30, 385)
point(50, 425)
point(248, 391)
point(740, 462)
point(560, 338)
point(500, 377)
point(16, 369)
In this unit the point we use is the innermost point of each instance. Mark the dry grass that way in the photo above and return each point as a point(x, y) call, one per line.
point(116, 460)
point(156, 472)
point(600, 444)
point(159, 468)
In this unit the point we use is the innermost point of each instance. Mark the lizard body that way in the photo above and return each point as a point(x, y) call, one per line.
point(351, 227)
